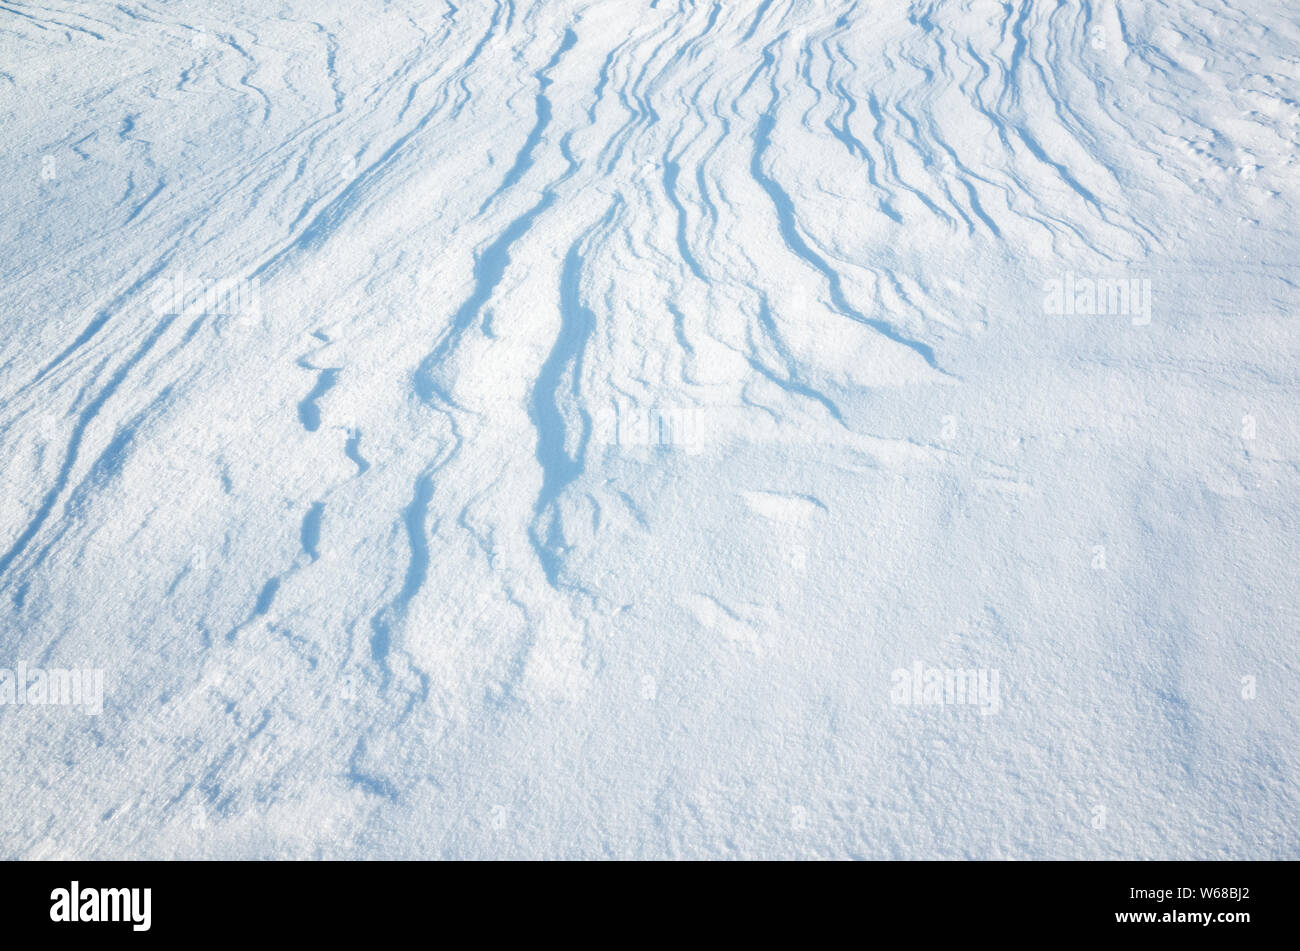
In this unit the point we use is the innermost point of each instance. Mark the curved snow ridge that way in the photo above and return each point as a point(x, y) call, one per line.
point(500, 411)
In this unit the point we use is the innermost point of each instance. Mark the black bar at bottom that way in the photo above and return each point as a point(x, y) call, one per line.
point(140, 901)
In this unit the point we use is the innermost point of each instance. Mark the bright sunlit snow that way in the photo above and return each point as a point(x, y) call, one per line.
point(615, 428)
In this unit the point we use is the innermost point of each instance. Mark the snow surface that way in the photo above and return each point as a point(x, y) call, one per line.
point(633, 389)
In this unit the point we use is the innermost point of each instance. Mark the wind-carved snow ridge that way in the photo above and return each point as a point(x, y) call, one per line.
point(561, 446)
point(669, 429)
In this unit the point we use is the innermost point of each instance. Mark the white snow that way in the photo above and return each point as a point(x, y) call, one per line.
point(542, 428)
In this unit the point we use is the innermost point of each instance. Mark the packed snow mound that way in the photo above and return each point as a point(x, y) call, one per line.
point(649, 428)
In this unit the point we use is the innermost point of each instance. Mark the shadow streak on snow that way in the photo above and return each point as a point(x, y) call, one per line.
point(524, 160)
point(86, 417)
point(559, 381)
point(327, 221)
point(788, 225)
point(415, 517)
